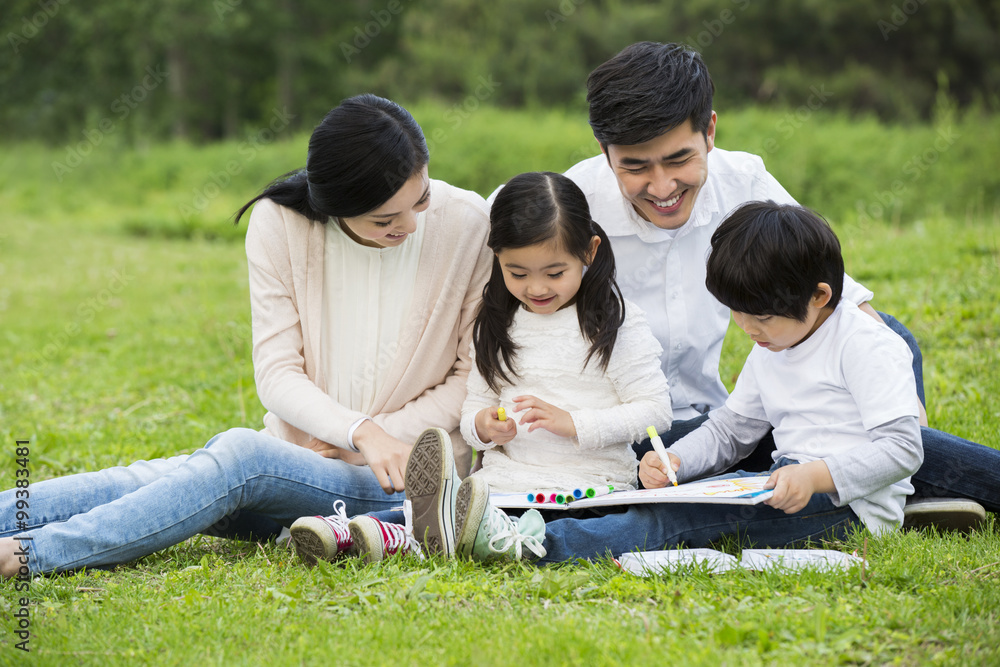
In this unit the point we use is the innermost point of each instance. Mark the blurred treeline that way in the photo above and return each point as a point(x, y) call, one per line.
point(209, 69)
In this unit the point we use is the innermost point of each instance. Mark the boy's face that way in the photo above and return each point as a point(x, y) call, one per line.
point(777, 333)
point(662, 177)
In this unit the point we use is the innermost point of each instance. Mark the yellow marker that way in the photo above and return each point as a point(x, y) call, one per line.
point(654, 438)
point(501, 414)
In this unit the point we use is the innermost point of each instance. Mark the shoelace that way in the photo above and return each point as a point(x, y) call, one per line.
point(506, 535)
point(398, 537)
point(338, 522)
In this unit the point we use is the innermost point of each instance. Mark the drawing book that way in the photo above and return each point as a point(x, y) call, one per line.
point(732, 491)
point(651, 563)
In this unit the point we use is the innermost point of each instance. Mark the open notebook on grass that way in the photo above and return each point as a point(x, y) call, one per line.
point(732, 491)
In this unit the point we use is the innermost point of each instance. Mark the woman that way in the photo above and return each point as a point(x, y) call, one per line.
point(364, 280)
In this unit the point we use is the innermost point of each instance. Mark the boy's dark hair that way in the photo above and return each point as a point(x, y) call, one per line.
point(542, 207)
point(647, 90)
point(768, 258)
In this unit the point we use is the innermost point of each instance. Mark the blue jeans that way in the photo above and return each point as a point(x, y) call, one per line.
point(696, 525)
point(953, 467)
point(240, 477)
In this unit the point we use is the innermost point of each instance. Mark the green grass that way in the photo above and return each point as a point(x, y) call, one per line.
point(125, 334)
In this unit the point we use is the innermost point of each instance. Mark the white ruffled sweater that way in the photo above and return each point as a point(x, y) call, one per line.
point(610, 410)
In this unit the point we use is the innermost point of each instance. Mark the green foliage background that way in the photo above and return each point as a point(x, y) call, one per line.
point(206, 69)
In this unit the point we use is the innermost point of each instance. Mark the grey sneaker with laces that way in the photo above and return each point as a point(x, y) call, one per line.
point(322, 537)
point(376, 540)
point(431, 487)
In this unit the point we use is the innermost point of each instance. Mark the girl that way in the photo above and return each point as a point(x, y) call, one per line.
point(558, 348)
point(364, 280)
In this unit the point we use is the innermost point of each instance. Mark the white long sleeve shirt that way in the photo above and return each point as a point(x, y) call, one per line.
point(610, 409)
point(663, 271)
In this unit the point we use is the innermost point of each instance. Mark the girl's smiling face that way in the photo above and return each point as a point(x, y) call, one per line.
point(544, 277)
point(388, 225)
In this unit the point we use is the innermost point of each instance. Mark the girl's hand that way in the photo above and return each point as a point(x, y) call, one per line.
point(794, 485)
point(384, 454)
point(652, 473)
point(491, 429)
point(542, 415)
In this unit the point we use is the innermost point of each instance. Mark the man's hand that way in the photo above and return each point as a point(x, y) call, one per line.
point(652, 472)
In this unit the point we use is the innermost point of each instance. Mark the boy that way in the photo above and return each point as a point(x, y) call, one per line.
point(836, 386)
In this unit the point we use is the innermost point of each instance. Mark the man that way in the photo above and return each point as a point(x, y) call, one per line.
point(659, 189)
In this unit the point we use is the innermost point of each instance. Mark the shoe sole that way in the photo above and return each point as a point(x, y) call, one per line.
point(946, 514)
point(367, 539)
point(313, 540)
point(470, 507)
point(429, 484)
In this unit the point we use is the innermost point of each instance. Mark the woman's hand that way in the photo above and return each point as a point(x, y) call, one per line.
point(489, 428)
point(384, 454)
point(795, 484)
point(543, 415)
point(652, 473)
point(326, 450)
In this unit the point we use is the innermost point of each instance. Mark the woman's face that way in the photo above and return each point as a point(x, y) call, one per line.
point(388, 225)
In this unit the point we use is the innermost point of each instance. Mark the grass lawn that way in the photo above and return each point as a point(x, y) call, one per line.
point(125, 334)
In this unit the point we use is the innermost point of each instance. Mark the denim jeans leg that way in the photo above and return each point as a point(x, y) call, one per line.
point(657, 526)
point(667, 525)
point(958, 468)
point(238, 470)
point(911, 341)
point(58, 499)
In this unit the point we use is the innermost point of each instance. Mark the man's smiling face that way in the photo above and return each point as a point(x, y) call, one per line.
point(662, 177)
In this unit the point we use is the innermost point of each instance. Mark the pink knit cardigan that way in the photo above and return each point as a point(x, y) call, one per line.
point(425, 385)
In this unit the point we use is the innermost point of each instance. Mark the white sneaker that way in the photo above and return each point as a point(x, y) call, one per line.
point(945, 514)
point(322, 537)
point(486, 532)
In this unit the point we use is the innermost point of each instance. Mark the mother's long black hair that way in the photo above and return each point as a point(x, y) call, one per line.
point(359, 156)
point(544, 207)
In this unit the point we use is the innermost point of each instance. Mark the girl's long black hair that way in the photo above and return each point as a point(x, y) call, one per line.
point(542, 207)
point(359, 156)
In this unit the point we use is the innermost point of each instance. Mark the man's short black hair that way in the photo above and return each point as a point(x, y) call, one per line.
point(647, 90)
point(768, 258)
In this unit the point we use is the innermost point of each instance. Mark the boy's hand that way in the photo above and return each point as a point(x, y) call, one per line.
point(490, 429)
point(794, 485)
point(652, 472)
point(543, 415)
